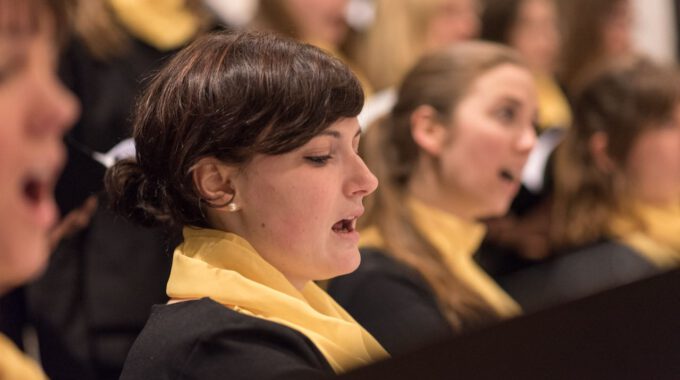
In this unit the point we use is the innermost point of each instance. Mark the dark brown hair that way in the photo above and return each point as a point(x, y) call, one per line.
point(228, 96)
point(440, 80)
point(621, 99)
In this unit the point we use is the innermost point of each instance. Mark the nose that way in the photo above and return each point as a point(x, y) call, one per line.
point(55, 108)
point(526, 139)
point(362, 182)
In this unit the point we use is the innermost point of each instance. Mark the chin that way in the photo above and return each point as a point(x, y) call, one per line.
point(347, 263)
point(497, 211)
point(30, 262)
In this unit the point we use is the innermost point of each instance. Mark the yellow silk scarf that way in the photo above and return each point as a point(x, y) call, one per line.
point(226, 268)
point(163, 24)
point(15, 365)
point(458, 241)
point(655, 233)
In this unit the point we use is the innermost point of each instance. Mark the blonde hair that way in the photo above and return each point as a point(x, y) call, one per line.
point(621, 99)
point(440, 80)
point(395, 41)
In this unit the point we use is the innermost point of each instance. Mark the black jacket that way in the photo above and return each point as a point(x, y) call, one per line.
point(203, 339)
point(392, 301)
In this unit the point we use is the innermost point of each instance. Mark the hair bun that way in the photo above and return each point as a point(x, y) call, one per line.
point(133, 195)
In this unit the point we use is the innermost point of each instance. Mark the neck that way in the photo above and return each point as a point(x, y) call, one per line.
point(425, 185)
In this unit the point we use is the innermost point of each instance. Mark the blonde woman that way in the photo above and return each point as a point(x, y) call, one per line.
point(449, 154)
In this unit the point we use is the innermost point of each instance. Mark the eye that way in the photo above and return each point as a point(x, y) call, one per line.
point(319, 160)
point(506, 114)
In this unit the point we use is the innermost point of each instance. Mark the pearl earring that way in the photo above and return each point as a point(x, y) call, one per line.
point(233, 207)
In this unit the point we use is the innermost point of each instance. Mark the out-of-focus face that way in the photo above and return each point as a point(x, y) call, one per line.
point(491, 135)
point(321, 21)
point(453, 21)
point(299, 209)
point(536, 35)
point(653, 164)
point(35, 111)
point(617, 30)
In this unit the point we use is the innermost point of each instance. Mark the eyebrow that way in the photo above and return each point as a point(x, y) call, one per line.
point(511, 99)
point(336, 134)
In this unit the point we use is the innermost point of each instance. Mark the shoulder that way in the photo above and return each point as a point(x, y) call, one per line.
point(577, 273)
point(203, 339)
point(607, 260)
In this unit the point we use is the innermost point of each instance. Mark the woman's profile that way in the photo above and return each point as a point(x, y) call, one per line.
point(249, 141)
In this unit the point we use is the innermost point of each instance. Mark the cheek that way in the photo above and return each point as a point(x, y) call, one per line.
point(477, 155)
point(656, 162)
point(290, 213)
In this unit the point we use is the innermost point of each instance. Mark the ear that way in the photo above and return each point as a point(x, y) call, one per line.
point(427, 131)
point(212, 179)
point(598, 145)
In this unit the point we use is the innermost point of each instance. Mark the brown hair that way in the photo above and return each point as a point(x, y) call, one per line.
point(440, 80)
point(229, 96)
point(622, 99)
point(273, 15)
point(582, 43)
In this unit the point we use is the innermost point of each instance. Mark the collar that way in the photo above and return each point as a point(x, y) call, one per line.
point(163, 24)
point(226, 268)
point(652, 230)
point(15, 365)
point(450, 234)
point(457, 241)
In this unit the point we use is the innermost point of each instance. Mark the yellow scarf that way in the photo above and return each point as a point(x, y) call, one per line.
point(458, 241)
point(163, 24)
point(14, 365)
point(226, 268)
point(553, 107)
point(652, 231)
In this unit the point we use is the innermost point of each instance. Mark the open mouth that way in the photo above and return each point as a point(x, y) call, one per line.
point(35, 190)
point(345, 225)
point(507, 175)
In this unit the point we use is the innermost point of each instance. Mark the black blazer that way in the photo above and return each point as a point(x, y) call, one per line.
point(392, 301)
point(203, 339)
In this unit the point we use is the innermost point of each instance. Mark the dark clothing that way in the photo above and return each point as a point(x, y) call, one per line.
point(107, 90)
point(205, 340)
point(632, 332)
point(96, 295)
point(575, 274)
point(392, 301)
